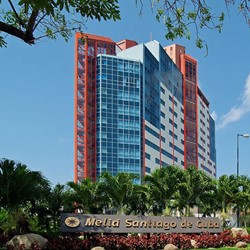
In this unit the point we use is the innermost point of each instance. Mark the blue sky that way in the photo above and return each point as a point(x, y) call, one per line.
point(37, 83)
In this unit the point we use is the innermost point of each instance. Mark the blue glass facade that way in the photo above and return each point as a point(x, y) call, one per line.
point(170, 75)
point(212, 139)
point(152, 90)
point(119, 116)
point(163, 71)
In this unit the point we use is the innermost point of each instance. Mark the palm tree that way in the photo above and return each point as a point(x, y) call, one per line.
point(50, 208)
point(87, 196)
point(163, 184)
point(120, 190)
point(19, 187)
point(59, 201)
point(242, 198)
point(193, 190)
point(208, 203)
point(140, 203)
point(227, 191)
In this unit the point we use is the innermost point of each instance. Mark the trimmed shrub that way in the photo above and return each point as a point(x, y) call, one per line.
point(144, 242)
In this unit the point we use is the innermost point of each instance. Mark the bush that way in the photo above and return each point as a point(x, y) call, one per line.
point(206, 240)
point(3, 239)
point(146, 241)
point(248, 229)
point(149, 242)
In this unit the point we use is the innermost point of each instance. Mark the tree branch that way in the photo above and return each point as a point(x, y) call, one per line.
point(55, 32)
point(20, 21)
point(39, 21)
point(32, 20)
point(9, 29)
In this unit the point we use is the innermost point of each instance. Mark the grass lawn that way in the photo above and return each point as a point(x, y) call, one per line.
point(225, 248)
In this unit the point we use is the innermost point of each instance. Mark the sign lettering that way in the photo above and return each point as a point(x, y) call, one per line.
point(137, 224)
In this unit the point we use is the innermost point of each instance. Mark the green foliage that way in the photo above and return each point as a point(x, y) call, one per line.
point(2, 42)
point(19, 185)
point(7, 222)
point(140, 204)
point(119, 190)
point(193, 190)
point(87, 196)
point(163, 184)
point(31, 20)
point(187, 18)
point(226, 190)
point(248, 230)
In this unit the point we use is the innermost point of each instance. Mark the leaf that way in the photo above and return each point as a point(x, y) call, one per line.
point(222, 17)
point(3, 43)
point(192, 15)
point(66, 5)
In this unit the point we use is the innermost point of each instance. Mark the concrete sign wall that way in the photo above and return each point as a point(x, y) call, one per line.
point(137, 224)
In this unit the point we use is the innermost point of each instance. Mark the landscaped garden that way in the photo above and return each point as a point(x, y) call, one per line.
point(28, 203)
point(143, 242)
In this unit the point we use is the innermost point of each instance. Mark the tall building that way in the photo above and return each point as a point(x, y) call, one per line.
point(138, 107)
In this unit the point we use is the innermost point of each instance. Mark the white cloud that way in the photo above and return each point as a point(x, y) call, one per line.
point(214, 116)
point(237, 112)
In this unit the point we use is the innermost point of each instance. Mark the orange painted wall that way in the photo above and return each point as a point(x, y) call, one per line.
point(125, 44)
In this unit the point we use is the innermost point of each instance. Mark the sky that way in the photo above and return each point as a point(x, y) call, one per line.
point(37, 91)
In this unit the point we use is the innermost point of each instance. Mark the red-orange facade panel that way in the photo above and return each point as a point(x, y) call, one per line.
point(190, 93)
point(125, 44)
point(87, 48)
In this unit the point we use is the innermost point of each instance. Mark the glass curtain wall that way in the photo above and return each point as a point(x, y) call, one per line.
point(119, 126)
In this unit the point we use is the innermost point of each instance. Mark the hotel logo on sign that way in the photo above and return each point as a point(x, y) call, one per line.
point(72, 222)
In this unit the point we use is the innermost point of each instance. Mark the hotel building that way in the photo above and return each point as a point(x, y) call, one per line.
point(137, 108)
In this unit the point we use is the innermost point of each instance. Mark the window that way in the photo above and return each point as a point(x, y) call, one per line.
point(173, 135)
point(147, 156)
point(170, 156)
point(201, 156)
point(152, 132)
point(176, 148)
point(202, 148)
point(157, 161)
point(152, 145)
point(173, 123)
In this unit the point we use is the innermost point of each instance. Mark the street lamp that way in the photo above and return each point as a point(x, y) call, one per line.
point(238, 169)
